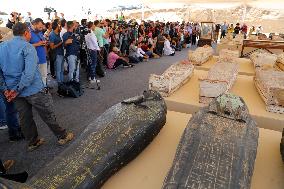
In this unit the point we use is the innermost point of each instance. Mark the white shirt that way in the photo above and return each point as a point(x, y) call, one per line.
point(63, 31)
point(91, 41)
point(167, 48)
point(140, 52)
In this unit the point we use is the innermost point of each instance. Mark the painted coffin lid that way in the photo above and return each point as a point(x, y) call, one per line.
point(172, 79)
point(200, 55)
point(218, 148)
point(219, 80)
point(270, 85)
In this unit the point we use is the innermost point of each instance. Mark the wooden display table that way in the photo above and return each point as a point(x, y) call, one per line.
point(261, 44)
point(186, 100)
point(150, 168)
point(245, 66)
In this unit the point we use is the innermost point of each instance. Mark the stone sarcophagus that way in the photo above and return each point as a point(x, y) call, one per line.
point(217, 149)
point(172, 79)
point(230, 56)
point(219, 80)
point(200, 55)
point(106, 145)
point(270, 85)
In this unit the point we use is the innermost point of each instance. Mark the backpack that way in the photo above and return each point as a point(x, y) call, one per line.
point(70, 89)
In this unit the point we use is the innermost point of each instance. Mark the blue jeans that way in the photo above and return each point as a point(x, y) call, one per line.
point(59, 62)
point(72, 61)
point(93, 64)
point(10, 116)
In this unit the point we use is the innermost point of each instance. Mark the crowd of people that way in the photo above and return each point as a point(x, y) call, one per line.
point(61, 48)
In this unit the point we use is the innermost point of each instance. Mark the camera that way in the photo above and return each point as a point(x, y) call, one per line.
point(49, 10)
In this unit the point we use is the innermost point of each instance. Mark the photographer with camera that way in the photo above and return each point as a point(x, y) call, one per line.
point(40, 43)
point(72, 46)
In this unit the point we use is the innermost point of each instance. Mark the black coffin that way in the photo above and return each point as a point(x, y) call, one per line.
point(218, 148)
point(106, 145)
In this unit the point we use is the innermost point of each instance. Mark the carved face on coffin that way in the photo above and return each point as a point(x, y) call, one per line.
point(229, 106)
point(148, 95)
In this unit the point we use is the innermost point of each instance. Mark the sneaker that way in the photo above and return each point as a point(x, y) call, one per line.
point(2, 127)
point(37, 144)
point(93, 81)
point(8, 164)
point(68, 137)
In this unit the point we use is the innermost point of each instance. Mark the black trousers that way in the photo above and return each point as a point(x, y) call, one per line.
point(119, 62)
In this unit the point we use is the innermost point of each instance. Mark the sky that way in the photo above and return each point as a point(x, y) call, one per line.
point(68, 7)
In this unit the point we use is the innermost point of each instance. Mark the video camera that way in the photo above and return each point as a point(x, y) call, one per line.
point(49, 10)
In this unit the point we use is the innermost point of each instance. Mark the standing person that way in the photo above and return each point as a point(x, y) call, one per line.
point(194, 35)
point(237, 29)
point(244, 30)
point(93, 49)
point(39, 42)
point(57, 51)
point(29, 19)
point(100, 34)
point(224, 29)
point(21, 82)
point(106, 39)
point(72, 46)
point(9, 119)
point(63, 27)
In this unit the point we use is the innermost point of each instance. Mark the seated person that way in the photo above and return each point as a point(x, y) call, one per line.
point(133, 55)
point(142, 53)
point(114, 60)
point(168, 50)
point(148, 49)
point(18, 177)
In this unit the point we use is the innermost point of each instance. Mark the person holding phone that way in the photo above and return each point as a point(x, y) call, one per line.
point(39, 42)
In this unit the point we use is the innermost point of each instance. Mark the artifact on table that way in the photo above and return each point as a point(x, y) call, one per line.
point(5, 34)
point(270, 85)
point(217, 149)
point(263, 60)
point(282, 145)
point(280, 62)
point(219, 80)
point(172, 79)
point(226, 55)
point(106, 145)
point(200, 55)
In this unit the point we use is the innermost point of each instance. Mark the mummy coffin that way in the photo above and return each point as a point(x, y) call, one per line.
point(270, 85)
point(172, 79)
point(230, 56)
point(106, 145)
point(200, 55)
point(262, 59)
point(217, 149)
point(219, 80)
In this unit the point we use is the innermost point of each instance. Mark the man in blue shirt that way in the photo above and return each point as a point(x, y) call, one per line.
point(39, 42)
point(224, 29)
point(21, 82)
point(72, 47)
point(56, 45)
